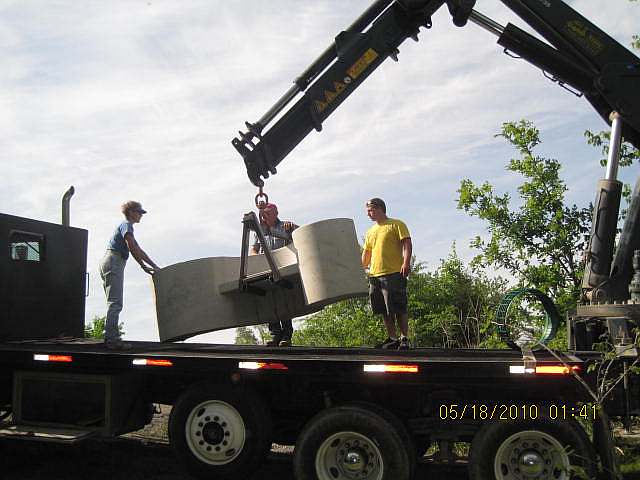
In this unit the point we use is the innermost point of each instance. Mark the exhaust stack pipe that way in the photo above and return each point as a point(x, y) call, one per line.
point(66, 199)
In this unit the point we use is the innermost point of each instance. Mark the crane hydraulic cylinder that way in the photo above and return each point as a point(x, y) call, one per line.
point(603, 233)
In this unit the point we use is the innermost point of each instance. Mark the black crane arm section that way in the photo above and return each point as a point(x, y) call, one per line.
point(352, 57)
point(580, 56)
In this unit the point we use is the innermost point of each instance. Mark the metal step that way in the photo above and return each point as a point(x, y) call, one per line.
point(45, 434)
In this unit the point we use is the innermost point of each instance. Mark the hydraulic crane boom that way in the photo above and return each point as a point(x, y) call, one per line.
point(582, 57)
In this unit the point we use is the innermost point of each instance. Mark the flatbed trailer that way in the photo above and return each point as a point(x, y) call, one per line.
point(68, 389)
point(351, 413)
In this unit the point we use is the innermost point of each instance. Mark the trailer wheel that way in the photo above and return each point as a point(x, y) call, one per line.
point(412, 450)
point(540, 449)
point(349, 443)
point(220, 432)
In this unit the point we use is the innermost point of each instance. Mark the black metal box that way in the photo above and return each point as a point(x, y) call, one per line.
point(42, 279)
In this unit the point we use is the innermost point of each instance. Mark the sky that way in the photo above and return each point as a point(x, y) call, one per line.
point(140, 100)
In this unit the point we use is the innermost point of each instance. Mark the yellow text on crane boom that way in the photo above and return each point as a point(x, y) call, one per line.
point(353, 72)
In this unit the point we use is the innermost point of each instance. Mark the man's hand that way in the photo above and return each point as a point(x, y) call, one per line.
point(407, 250)
point(405, 270)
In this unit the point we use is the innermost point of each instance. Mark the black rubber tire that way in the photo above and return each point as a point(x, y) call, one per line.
point(257, 430)
point(362, 421)
point(487, 441)
point(399, 426)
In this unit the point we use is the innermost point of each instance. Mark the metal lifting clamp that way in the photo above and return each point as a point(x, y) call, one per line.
point(250, 223)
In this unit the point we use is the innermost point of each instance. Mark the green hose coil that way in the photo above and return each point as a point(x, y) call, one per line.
point(552, 317)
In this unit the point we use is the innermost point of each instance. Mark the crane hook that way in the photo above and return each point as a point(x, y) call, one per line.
point(261, 199)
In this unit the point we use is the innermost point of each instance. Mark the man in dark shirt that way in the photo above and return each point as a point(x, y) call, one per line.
point(277, 234)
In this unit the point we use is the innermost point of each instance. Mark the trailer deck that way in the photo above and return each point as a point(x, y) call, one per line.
point(87, 354)
point(84, 346)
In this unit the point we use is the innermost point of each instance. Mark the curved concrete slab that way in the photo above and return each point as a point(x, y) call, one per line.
point(329, 261)
point(322, 266)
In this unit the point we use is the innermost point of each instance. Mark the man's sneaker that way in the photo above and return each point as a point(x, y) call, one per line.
point(275, 341)
point(285, 343)
point(404, 344)
point(389, 343)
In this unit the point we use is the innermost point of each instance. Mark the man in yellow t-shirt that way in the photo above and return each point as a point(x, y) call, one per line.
point(387, 253)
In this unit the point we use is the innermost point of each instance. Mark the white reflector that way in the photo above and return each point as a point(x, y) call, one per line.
point(262, 366)
point(390, 368)
point(152, 362)
point(544, 369)
point(45, 357)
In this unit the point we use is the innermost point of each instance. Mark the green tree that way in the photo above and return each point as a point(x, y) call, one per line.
point(95, 328)
point(540, 242)
point(245, 336)
point(262, 333)
point(450, 307)
point(254, 335)
point(349, 323)
point(453, 306)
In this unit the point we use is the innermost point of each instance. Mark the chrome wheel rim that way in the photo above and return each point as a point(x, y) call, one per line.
point(531, 455)
point(215, 432)
point(349, 456)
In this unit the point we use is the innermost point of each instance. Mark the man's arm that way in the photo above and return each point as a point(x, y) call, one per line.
point(141, 257)
point(366, 258)
point(407, 250)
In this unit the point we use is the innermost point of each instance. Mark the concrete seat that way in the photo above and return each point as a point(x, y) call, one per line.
point(321, 267)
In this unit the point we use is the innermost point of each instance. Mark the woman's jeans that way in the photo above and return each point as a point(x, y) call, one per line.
point(112, 273)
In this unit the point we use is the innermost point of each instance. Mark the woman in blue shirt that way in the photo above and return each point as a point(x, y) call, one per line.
point(121, 243)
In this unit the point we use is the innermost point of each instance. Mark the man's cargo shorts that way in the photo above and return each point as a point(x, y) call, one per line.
point(388, 294)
